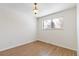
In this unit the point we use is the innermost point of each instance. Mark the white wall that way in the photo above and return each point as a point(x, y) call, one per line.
point(16, 28)
point(78, 29)
point(65, 37)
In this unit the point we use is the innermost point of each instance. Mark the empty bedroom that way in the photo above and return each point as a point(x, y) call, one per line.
point(38, 29)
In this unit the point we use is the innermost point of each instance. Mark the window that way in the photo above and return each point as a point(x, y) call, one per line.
point(56, 23)
point(47, 24)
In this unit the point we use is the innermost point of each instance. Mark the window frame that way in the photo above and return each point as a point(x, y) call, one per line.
point(53, 28)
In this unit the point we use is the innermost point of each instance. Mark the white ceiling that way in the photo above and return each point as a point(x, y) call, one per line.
point(49, 8)
point(44, 8)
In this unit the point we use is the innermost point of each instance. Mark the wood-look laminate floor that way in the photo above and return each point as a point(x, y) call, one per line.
point(38, 48)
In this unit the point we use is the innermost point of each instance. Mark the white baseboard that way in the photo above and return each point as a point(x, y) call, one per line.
point(23, 43)
point(33, 41)
point(57, 44)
